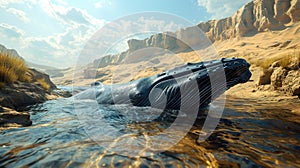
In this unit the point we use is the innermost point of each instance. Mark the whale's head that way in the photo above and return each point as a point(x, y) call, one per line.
point(198, 83)
point(236, 71)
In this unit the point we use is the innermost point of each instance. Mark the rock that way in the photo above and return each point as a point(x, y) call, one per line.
point(291, 82)
point(275, 64)
point(35, 75)
point(294, 10)
point(276, 44)
point(256, 16)
point(280, 8)
point(20, 94)
point(265, 78)
point(296, 90)
point(285, 44)
point(281, 79)
point(11, 52)
point(10, 117)
point(277, 77)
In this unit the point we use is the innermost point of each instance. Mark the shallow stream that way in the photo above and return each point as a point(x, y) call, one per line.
point(249, 134)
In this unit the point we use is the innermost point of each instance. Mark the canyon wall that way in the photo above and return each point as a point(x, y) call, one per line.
point(254, 17)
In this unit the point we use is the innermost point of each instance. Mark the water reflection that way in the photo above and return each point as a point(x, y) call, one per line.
point(248, 135)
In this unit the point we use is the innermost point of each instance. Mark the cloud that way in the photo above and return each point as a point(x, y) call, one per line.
point(59, 48)
point(221, 8)
point(10, 31)
point(18, 13)
point(103, 3)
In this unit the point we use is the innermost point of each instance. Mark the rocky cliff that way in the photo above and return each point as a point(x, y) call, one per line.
point(256, 16)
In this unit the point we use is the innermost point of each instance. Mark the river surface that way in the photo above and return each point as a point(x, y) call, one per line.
point(249, 134)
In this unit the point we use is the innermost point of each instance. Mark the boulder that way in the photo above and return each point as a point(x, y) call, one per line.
point(20, 94)
point(10, 117)
point(265, 78)
point(35, 75)
point(277, 77)
point(291, 82)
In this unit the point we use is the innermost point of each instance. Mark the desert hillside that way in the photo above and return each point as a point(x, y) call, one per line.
point(259, 31)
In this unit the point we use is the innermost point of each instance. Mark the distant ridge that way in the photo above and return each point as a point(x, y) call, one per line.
point(11, 52)
point(255, 17)
point(52, 71)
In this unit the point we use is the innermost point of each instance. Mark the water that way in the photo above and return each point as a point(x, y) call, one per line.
point(248, 135)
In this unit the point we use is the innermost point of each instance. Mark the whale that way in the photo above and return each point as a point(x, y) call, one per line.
point(193, 84)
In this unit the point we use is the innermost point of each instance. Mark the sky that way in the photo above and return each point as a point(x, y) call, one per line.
point(54, 32)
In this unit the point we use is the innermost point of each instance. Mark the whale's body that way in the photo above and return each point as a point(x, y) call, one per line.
point(192, 84)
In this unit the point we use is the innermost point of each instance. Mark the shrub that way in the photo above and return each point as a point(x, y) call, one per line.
point(12, 69)
point(44, 84)
point(284, 61)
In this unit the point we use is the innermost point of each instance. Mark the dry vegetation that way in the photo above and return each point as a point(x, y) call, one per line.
point(284, 60)
point(12, 69)
point(44, 84)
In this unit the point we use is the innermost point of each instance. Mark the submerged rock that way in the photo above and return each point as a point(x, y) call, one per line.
point(11, 118)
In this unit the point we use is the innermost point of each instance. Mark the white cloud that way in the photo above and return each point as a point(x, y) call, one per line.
point(103, 3)
point(58, 48)
point(221, 8)
point(10, 31)
point(18, 13)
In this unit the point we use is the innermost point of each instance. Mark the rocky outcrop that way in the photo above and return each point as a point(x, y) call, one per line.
point(11, 118)
point(36, 75)
point(256, 16)
point(286, 79)
point(11, 52)
point(17, 96)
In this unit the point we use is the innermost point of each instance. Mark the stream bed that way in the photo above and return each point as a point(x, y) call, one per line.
point(260, 137)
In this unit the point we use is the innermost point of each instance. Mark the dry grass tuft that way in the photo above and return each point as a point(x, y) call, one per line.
point(12, 69)
point(285, 61)
point(44, 84)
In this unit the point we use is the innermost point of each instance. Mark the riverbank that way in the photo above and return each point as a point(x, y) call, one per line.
point(21, 87)
point(15, 98)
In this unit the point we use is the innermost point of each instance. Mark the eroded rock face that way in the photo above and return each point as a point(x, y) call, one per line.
point(280, 10)
point(11, 52)
point(256, 16)
point(12, 118)
point(294, 11)
point(277, 77)
point(35, 75)
point(283, 79)
point(291, 82)
point(265, 78)
point(20, 94)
